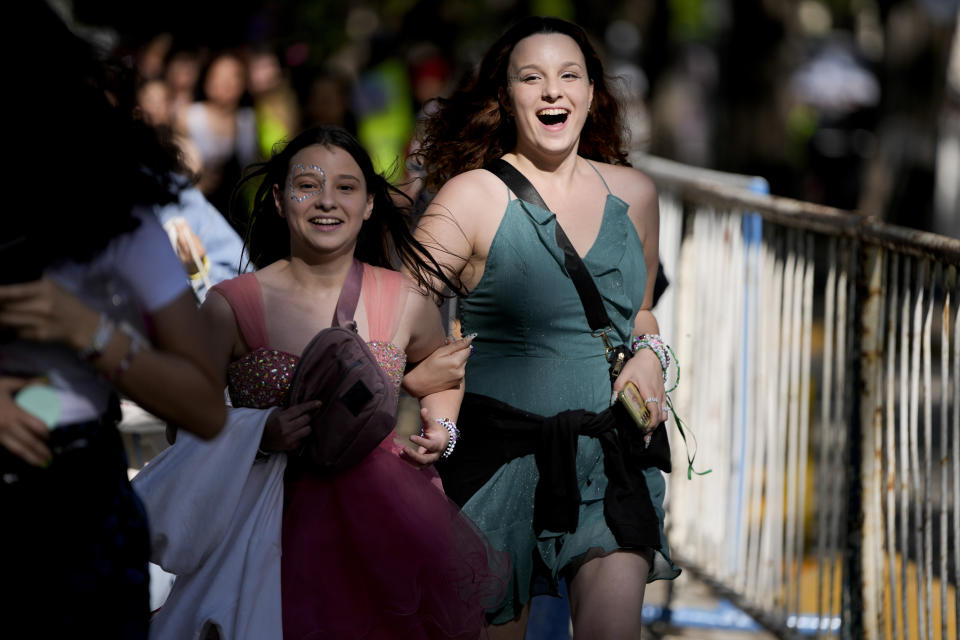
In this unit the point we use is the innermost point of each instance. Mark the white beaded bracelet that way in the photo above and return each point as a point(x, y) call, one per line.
point(662, 350)
point(654, 343)
point(451, 428)
point(100, 339)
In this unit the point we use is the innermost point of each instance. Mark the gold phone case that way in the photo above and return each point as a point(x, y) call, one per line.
point(631, 399)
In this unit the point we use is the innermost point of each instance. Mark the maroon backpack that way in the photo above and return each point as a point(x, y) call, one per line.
point(359, 400)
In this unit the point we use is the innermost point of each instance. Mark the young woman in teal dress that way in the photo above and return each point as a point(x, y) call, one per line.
point(541, 103)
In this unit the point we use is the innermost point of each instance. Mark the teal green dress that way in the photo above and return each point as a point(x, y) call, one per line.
point(534, 351)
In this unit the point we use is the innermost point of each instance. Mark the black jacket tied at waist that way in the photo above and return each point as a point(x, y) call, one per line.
point(494, 433)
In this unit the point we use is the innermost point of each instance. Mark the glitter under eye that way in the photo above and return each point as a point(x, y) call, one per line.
point(296, 171)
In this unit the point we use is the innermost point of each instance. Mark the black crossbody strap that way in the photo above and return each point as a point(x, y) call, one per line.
point(517, 182)
point(597, 316)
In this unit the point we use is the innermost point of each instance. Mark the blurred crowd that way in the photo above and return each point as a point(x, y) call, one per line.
point(844, 104)
point(227, 107)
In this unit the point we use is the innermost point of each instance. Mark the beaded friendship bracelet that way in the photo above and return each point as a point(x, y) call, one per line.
point(203, 270)
point(451, 428)
point(137, 343)
point(100, 339)
point(656, 344)
point(663, 352)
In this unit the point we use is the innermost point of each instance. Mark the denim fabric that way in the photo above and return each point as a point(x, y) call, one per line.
point(223, 246)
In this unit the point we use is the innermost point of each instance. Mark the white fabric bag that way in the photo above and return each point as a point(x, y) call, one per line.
point(215, 516)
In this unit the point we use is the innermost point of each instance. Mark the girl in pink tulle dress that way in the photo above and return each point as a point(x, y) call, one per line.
point(377, 551)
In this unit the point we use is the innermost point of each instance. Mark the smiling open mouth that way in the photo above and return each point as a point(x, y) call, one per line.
point(552, 116)
point(325, 222)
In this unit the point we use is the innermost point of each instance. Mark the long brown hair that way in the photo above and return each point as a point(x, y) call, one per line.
point(471, 128)
point(385, 239)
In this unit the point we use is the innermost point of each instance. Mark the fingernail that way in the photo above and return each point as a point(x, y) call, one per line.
point(614, 397)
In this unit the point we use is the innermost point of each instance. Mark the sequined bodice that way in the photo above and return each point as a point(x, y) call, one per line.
point(261, 378)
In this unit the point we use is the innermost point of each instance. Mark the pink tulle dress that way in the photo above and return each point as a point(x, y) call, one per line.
point(378, 551)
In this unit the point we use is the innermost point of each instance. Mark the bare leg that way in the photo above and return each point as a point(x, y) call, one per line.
point(606, 597)
point(513, 630)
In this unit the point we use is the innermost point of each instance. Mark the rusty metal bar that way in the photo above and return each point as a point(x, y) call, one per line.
point(781, 211)
point(871, 352)
point(791, 405)
point(952, 282)
point(904, 468)
point(784, 472)
point(944, 443)
point(769, 561)
point(955, 452)
point(805, 383)
point(916, 335)
point(875, 535)
point(892, 479)
point(913, 242)
point(927, 373)
point(843, 452)
point(826, 419)
point(855, 621)
point(704, 188)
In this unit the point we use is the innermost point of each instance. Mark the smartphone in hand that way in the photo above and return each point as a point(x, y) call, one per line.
point(633, 402)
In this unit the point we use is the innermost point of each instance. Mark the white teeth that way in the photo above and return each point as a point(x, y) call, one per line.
point(324, 221)
point(551, 112)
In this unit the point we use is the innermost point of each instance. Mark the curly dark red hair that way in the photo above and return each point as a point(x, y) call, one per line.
point(471, 128)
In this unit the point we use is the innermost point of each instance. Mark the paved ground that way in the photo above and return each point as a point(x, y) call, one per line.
point(695, 611)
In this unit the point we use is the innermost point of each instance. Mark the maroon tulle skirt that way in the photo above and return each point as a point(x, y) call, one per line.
point(379, 551)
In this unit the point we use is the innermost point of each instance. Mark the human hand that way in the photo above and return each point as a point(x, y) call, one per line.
point(429, 446)
point(188, 246)
point(285, 428)
point(41, 310)
point(441, 370)
point(644, 370)
point(21, 432)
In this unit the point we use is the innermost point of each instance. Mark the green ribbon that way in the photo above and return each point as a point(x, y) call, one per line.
point(681, 427)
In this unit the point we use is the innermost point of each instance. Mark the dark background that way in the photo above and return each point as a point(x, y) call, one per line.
point(840, 102)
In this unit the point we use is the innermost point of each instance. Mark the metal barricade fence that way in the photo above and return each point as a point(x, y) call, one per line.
point(820, 362)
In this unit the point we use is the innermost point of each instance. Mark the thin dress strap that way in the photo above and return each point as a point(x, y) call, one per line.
point(384, 295)
point(243, 295)
point(601, 176)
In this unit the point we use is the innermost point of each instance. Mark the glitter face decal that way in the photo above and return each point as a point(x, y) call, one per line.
point(305, 181)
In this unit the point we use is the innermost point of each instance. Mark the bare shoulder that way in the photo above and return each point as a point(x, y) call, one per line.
point(459, 225)
point(217, 312)
point(274, 278)
point(222, 328)
point(471, 192)
point(409, 298)
point(271, 272)
point(629, 184)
